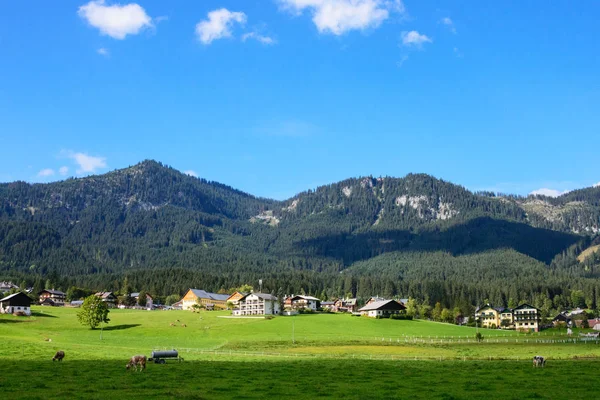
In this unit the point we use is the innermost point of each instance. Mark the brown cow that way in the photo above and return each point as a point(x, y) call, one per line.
point(184, 325)
point(137, 362)
point(59, 356)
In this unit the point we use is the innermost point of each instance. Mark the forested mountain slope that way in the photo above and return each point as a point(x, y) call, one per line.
point(157, 225)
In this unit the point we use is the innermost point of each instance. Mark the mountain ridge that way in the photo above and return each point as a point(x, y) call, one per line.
point(153, 219)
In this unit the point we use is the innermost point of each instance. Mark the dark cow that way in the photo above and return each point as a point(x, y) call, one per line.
point(137, 362)
point(539, 361)
point(59, 356)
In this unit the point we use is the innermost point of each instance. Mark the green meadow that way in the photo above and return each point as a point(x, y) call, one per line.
point(306, 356)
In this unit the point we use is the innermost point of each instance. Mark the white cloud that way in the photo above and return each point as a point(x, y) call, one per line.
point(596, 184)
point(449, 23)
point(457, 52)
point(260, 38)
point(46, 172)
point(103, 52)
point(340, 16)
point(400, 63)
point(414, 38)
point(116, 21)
point(549, 192)
point(84, 161)
point(191, 173)
point(63, 170)
point(218, 25)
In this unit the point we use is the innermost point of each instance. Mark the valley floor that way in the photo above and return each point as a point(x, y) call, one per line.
point(307, 356)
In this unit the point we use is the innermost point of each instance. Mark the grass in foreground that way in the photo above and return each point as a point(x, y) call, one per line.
point(304, 379)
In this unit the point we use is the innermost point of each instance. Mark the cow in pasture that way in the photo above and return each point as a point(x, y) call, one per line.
point(172, 324)
point(59, 356)
point(137, 362)
point(539, 361)
point(184, 325)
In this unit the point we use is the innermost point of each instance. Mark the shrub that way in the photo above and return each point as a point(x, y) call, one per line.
point(402, 317)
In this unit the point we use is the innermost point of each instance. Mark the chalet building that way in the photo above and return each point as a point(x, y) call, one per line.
point(382, 309)
point(149, 299)
point(527, 317)
point(303, 302)
point(208, 300)
point(257, 304)
point(235, 298)
point(7, 286)
point(374, 299)
point(16, 303)
point(108, 297)
point(506, 318)
point(345, 305)
point(488, 316)
point(328, 305)
point(52, 297)
point(562, 318)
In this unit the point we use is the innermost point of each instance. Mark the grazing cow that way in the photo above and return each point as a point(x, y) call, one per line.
point(172, 324)
point(137, 362)
point(184, 325)
point(539, 361)
point(59, 356)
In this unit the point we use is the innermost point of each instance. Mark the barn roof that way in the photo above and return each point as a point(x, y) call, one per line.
point(203, 294)
point(52, 291)
point(17, 297)
point(383, 305)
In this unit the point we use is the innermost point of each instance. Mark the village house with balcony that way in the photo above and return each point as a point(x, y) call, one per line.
point(257, 304)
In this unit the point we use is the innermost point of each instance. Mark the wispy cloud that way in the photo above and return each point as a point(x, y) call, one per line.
point(549, 192)
point(63, 170)
point(414, 39)
point(103, 52)
point(449, 24)
point(457, 52)
point(45, 173)
point(262, 39)
point(191, 172)
point(116, 21)
point(402, 60)
point(340, 16)
point(85, 163)
point(218, 25)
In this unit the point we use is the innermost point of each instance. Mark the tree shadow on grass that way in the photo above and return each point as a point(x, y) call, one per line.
point(12, 321)
point(119, 327)
point(41, 314)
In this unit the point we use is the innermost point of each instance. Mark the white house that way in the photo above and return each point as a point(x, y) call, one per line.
point(306, 302)
point(527, 318)
point(17, 302)
point(257, 304)
point(149, 300)
point(384, 308)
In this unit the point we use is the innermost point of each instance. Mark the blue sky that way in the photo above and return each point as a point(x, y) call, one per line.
point(278, 96)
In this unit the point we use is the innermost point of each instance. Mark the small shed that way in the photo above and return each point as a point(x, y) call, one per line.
point(17, 302)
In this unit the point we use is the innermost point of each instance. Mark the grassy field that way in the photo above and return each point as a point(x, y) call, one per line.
point(307, 356)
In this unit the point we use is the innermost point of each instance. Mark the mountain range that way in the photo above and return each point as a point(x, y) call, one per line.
point(167, 231)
